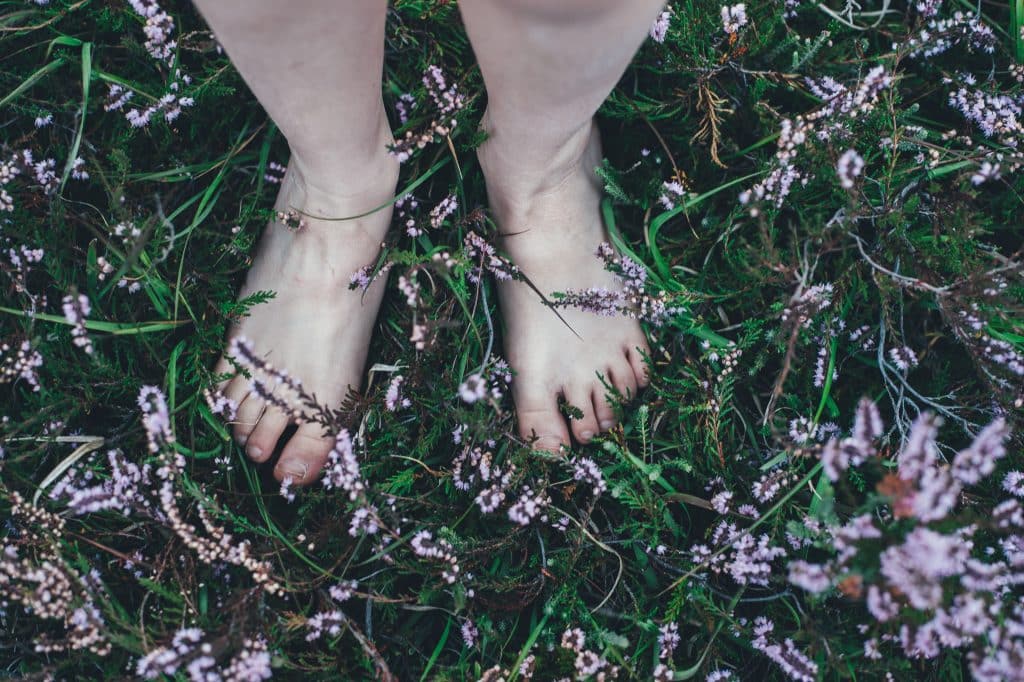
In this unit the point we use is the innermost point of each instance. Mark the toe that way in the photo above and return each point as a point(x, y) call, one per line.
point(248, 416)
point(603, 409)
point(585, 428)
point(223, 367)
point(304, 455)
point(636, 361)
point(538, 416)
point(624, 381)
point(263, 439)
point(236, 390)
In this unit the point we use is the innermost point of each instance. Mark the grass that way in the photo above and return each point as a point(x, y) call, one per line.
point(908, 247)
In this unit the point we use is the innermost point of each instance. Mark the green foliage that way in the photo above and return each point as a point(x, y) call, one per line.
point(907, 250)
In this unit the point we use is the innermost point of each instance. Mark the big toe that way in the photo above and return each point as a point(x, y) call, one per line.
point(264, 437)
point(538, 416)
point(304, 455)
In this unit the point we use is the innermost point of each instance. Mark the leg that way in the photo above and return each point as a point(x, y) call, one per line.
point(315, 66)
point(548, 67)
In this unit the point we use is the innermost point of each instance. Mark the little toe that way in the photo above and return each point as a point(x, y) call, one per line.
point(223, 367)
point(263, 439)
point(585, 428)
point(636, 361)
point(304, 455)
point(538, 416)
point(624, 380)
point(603, 409)
point(248, 416)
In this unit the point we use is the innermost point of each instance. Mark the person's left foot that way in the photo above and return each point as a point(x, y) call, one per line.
point(552, 226)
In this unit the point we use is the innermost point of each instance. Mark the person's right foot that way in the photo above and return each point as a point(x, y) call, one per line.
point(315, 327)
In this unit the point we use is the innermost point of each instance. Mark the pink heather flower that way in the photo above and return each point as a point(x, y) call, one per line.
point(403, 106)
point(588, 663)
point(20, 364)
point(286, 489)
point(448, 101)
point(469, 632)
point(668, 640)
point(814, 578)
point(117, 97)
point(734, 17)
point(573, 639)
point(156, 418)
point(867, 423)
point(124, 491)
point(919, 452)
point(251, 664)
point(722, 502)
point(1013, 483)
point(529, 506)
point(987, 171)
point(474, 388)
point(486, 257)
point(411, 289)
point(792, 661)
point(394, 399)
point(671, 191)
point(275, 173)
point(78, 171)
point(445, 208)
point(325, 623)
point(978, 460)
point(587, 471)
point(185, 646)
point(918, 566)
point(159, 29)
point(220, 404)
point(849, 167)
point(903, 357)
point(342, 469)
point(343, 591)
point(659, 28)
point(424, 545)
point(802, 430)
point(767, 488)
point(662, 673)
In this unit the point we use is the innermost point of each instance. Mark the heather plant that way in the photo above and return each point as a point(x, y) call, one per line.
point(814, 210)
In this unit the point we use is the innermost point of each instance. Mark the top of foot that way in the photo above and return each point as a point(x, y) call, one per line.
point(551, 226)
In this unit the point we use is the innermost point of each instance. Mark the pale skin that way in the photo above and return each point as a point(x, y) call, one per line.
point(315, 66)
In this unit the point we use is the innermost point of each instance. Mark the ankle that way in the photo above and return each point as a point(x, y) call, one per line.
point(358, 170)
point(518, 167)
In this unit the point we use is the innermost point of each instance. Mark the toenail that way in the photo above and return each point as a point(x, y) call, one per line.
point(607, 424)
point(296, 470)
point(254, 452)
point(586, 435)
point(546, 442)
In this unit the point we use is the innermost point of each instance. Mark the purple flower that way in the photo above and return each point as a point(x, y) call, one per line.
point(849, 167)
point(734, 17)
point(659, 28)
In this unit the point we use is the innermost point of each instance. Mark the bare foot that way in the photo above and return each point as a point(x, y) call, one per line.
point(315, 327)
point(551, 225)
